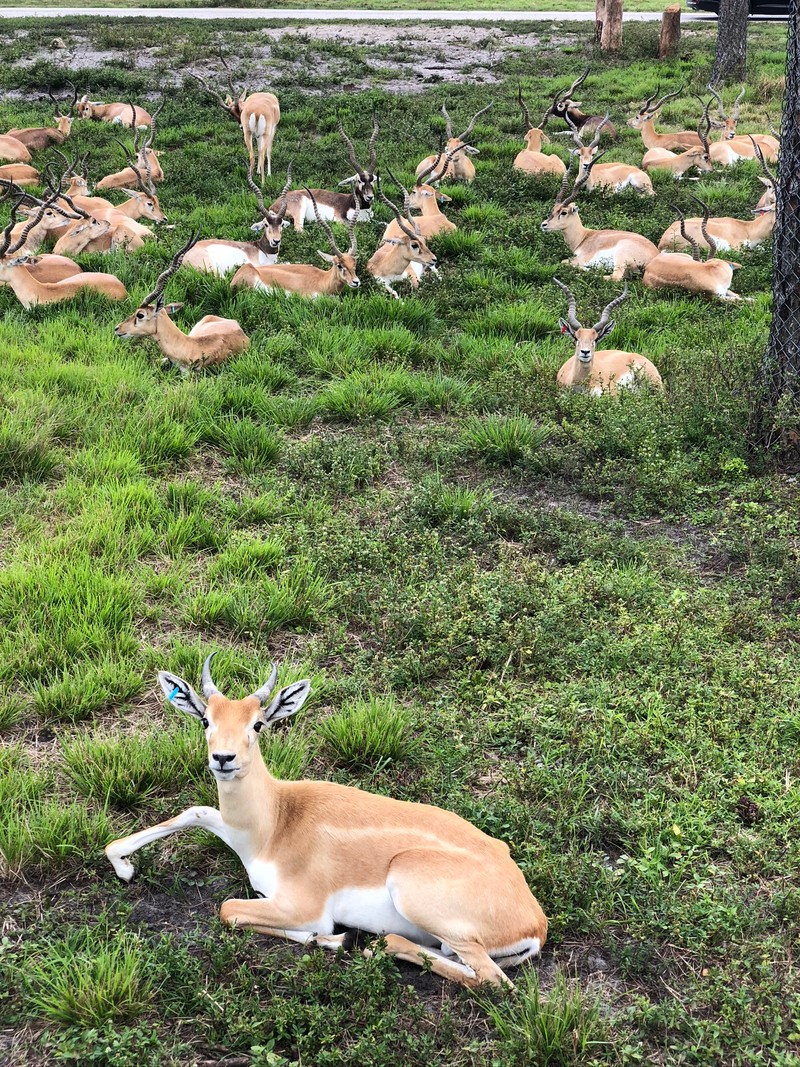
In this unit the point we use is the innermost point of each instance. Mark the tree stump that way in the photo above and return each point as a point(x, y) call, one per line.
point(670, 31)
point(611, 36)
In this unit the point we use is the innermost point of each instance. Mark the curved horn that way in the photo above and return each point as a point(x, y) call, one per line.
point(473, 120)
point(599, 130)
point(701, 133)
point(209, 689)
point(258, 194)
point(133, 164)
point(351, 152)
point(396, 212)
point(209, 90)
point(581, 180)
point(263, 694)
point(603, 320)
point(712, 244)
point(775, 133)
point(5, 237)
point(736, 102)
point(562, 192)
point(715, 94)
point(760, 156)
point(525, 113)
point(652, 108)
point(56, 105)
point(449, 155)
point(285, 191)
point(448, 129)
point(73, 101)
point(695, 246)
point(323, 223)
point(573, 304)
point(420, 179)
point(157, 295)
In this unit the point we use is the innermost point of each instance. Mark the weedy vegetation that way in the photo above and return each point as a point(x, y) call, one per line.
point(571, 619)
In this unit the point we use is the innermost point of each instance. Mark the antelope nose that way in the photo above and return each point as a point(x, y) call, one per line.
point(223, 757)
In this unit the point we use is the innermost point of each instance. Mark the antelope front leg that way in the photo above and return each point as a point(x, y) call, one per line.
point(193, 818)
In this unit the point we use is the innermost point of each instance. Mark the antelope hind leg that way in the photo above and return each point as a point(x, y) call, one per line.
point(266, 916)
point(463, 973)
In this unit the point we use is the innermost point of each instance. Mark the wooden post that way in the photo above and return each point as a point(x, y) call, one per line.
point(599, 19)
point(670, 31)
point(611, 38)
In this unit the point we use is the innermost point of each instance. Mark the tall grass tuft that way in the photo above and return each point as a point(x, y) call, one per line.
point(504, 439)
point(368, 733)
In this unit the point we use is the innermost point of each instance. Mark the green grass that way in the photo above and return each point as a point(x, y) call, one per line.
point(572, 620)
point(377, 5)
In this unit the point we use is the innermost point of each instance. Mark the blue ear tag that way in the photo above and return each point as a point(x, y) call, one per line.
point(174, 692)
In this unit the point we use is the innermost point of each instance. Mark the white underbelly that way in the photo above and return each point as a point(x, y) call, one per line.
point(373, 910)
point(325, 212)
point(601, 259)
point(225, 258)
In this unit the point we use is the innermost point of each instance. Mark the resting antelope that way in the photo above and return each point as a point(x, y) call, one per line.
point(13, 150)
point(460, 169)
point(216, 256)
point(143, 158)
point(302, 278)
point(612, 176)
point(679, 270)
point(308, 205)
point(405, 256)
point(117, 113)
point(678, 163)
point(30, 291)
point(604, 371)
point(532, 159)
point(742, 145)
point(425, 198)
point(47, 268)
point(36, 138)
point(440, 891)
point(614, 249)
point(568, 110)
point(768, 197)
point(211, 340)
point(644, 120)
point(257, 114)
point(81, 236)
point(20, 174)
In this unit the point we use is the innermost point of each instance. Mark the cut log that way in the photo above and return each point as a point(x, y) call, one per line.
point(670, 31)
point(611, 37)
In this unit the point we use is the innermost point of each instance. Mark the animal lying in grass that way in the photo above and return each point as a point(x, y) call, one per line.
point(437, 889)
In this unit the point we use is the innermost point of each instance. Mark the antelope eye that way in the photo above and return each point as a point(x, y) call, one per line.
point(139, 314)
point(204, 721)
point(415, 246)
point(258, 726)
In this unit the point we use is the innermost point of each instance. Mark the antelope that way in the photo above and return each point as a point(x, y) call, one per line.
point(302, 278)
point(682, 271)
point(768, 144)
point(678, 163)
point(355, 206)
point(604, 371)
point(424, 198)
point(80, 236)
point(47, 268)
point(532, 159)
point(211, 340)
point(768, 197)
point(257, 114)
point(401, 257)
point(215, 256)
point(568, 110)
point(116, 113)
point(460, 167)
point(644, 120)
point(146, 159)
point(13, 150)
point(39, 137)
point(612, 176)
point(616, 249)
point(439, 891)
point(30, 291)
point(20, 174)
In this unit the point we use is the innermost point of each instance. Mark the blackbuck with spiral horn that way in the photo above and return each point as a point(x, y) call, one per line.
point(681, 271)
point(644, 120)
point(613, 177)
point(211, 340)
point(614, 250)
point(258, 114)
point(532, 159)
point(303, 278)
point(568, 110)
point(460, 168)
point(216, 256)
point(678, 163)
point(435, 888)
point(607, 370)
point(741, 144)
point(36, 138)
point(425, 198)
point(403, 257)
point(43, 268)
point(311, 205)
point(143, 159)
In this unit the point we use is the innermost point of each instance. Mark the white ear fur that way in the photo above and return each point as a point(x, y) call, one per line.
point(172, 308)
point(566, 328)
point(132, 194)
point(606, 330)
point(288, 701)
point(324, 255)
point(181, 694)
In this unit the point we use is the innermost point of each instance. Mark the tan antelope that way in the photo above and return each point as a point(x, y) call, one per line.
point(217, 256)
point(118, 113)
point(303, 205)
point(613, 177)
point(440, 892)
point(257, 114)
point(742, 144)
point(679, 270)
point(302, 278)
point(212, 340)
point(425, 198)
point(30, 291)
point(20, 174)
point(143, 159)
point(644, 120)
point(403, 257)
point(617, 250)
point(568, 110)
point(532, 159)
point(768, 197)
point(35, 138)
point(47, 268)
point(678, 163)
point(81, 236)
point(13, 150)
point(461, 168)
point(607, 370)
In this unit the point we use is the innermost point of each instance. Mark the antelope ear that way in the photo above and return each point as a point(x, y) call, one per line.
point(765, 181)
point(132, 194)
point(443, 198)
point(288, 701)
point(181, 694)
point(605, 330)
point(566, 328)
point(171, 309)
point(325, 256)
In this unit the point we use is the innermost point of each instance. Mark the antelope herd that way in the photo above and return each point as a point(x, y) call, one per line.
point(74, 221)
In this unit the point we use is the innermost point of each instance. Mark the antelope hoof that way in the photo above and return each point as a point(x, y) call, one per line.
point(123, 868)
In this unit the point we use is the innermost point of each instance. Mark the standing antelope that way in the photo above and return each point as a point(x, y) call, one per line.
point(678, 163)
point(257, 114)
point(607, 370)
point(355, 206)
point(216, 256)
point(302, 278)
point(644, 120)
point(742, 143)
point(405, 256)
point(532, 159)
point(146, 159)
point(679, 270)
point(614, 249)
point(568, 110)
point(612, 176)
point(39, 137)
point(211, 340)
point(460, 168)
point(117, 113)
point(440, 891)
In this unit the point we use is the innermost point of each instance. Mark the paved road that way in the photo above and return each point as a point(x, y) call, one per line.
point(327, 15)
